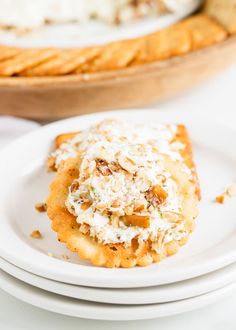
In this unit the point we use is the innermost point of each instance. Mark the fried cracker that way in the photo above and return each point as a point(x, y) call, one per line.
point(224, 11)
point(115, 255)
point(204, 31)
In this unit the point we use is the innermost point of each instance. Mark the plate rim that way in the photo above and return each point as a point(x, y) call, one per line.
point(71, 307)
point(211, 282)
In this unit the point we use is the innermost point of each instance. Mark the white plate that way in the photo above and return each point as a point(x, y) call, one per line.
point(25, 182)
point(94, 33)
point(140, 296)
point(91, 310)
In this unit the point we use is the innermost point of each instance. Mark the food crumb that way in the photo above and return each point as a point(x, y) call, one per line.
point(228, 193)
point(220, 199)
point(50, 254)
point(36, 234)
point(41, 207)
point(65, 257)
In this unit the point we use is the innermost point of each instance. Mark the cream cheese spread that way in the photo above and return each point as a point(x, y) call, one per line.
point(32, 14)
point(123, 180)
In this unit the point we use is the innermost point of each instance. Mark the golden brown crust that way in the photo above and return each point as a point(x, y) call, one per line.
point(187, 154)
point(196, 32)
point(115, 255)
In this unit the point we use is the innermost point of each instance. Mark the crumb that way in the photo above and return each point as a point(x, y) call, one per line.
point(220, 199)
point(228, 193)
point(50, 254)
point(65, 257)
point(36, 234)
point(231, 190)
point(41, 207)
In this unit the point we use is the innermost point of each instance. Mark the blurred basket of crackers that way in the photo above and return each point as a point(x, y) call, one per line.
point(54, 83)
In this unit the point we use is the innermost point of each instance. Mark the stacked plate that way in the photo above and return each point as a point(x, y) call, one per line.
point(44, 273)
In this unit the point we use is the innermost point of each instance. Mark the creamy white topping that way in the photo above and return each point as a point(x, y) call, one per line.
point(123, 174)
point(98, 138)
point(31, 14)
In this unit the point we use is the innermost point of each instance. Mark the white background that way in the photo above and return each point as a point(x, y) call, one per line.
point(216, 98)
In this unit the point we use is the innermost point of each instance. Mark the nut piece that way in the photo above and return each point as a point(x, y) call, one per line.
point(228, 193)
point(41, 207)
point(137, 220)
point(220, 199)
point(159, 193)
point(85, 206)
point(65, 257)
point(231, 191)
point(36, 234)
point(75, 186)
point(102, 167)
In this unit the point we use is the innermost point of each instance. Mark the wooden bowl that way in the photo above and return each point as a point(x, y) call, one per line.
point(58, 97)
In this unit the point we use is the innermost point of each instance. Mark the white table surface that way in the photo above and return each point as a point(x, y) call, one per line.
point(217, 98)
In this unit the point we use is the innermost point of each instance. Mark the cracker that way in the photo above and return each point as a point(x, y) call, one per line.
point(64, 63)
point(204, 31)
point(114, 255)
point(224, 11)
point(182, 136)
point(62, 138)
point(8, 52)
point(172, 41)
point(25, 60)
point(115, 56)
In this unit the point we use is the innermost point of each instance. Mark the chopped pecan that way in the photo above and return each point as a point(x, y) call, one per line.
point(221, 199)
point(228, 193)
point(114, 167)
point(75, 186)
point(102, 167)
point(36, 234)
point(85, 205)
point(137, 220)
point(139, 208)
point(159, 193)
point(41, 207)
